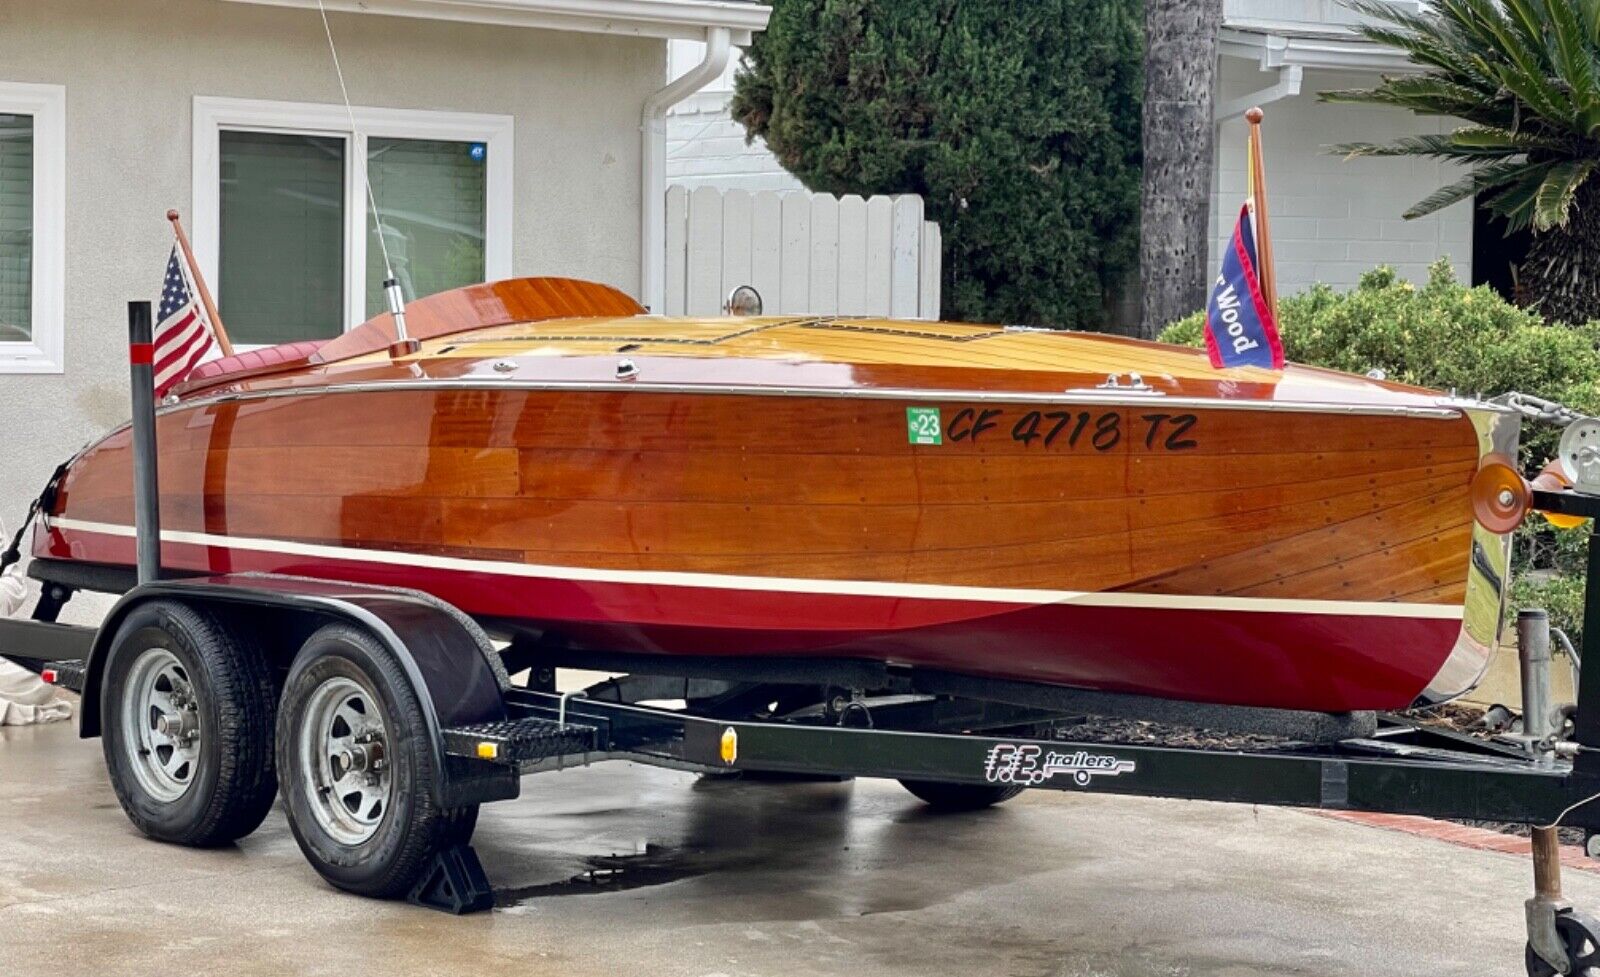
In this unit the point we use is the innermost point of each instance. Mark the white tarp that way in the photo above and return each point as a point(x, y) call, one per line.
point(24, 699)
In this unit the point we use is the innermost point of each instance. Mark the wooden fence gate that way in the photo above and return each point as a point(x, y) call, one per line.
point(804, 252)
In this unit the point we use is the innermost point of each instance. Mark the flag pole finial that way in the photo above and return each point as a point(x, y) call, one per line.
point(1254, 115)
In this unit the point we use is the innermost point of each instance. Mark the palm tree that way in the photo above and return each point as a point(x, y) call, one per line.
point(1180, 70)
point(1524, 75)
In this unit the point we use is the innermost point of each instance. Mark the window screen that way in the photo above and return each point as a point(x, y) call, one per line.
point(281, 262)
point(432, 198)
point(16, 228)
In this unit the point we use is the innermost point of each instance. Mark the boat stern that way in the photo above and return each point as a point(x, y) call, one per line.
point(1488, 572)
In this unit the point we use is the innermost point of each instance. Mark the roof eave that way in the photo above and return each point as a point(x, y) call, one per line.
point(687, 19)
point(1335, 51)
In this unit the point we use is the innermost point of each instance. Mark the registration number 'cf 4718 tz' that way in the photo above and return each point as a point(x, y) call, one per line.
point(1069, 430)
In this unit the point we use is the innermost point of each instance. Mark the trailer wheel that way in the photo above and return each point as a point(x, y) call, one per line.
point(187, 726)
point(358, 776)
point(945, 796)
point(960, 797)
point(1580, 936)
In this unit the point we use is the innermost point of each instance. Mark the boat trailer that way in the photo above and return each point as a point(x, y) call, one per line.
point(479, 734)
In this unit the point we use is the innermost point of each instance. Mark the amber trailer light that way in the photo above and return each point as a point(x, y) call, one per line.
point(1552, 479)
point(1501, 497)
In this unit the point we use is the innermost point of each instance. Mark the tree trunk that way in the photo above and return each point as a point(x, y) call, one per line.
point(1180, 69)
point(1562, 272)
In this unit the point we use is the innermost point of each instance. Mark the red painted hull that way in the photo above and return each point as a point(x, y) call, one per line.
point(1282, 659)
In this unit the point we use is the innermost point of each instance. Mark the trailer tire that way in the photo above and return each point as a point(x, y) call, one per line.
point(945, 796)
point(187, 709)
point(366, 826)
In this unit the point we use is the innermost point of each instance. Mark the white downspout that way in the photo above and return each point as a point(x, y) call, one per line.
point(653, 128)
point(1287, 86)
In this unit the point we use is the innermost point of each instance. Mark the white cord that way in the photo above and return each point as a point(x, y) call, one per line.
point(377, 218)
point(1573, 807)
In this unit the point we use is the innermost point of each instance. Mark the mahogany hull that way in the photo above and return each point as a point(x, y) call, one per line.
point(1220, 552)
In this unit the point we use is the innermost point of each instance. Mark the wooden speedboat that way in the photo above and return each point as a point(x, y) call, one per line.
point(1057, 508)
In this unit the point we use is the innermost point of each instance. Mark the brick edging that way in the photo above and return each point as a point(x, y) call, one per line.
point(1481, 839)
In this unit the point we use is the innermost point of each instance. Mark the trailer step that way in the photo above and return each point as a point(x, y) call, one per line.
point(520, 740)
point(67, 675)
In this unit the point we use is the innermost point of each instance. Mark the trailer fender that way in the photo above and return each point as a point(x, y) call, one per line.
point(445, 654)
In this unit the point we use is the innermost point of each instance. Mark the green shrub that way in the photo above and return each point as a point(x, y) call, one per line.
point(1448, 336)
point(1559, 593)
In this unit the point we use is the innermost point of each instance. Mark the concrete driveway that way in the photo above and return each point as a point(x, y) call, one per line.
point(619, 870)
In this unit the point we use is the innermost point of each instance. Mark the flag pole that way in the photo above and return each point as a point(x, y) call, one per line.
point(200, 283)
point(1268, 272)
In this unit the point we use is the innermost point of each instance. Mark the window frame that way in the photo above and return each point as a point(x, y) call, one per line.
point(213, 115)
point(44, 351)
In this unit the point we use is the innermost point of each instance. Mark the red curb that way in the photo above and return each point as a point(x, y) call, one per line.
point(1460, 835)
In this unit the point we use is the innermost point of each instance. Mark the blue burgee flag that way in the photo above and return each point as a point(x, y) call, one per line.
point(1240, 330)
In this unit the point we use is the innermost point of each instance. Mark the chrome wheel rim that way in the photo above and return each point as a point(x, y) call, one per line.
point(343, 754)
point(161, 726)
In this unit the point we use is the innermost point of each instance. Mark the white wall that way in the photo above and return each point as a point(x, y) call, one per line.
point(1332, 218)
point(705, 147)
point(131, 69)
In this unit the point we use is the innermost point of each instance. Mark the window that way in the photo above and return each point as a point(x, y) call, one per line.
point(283, 225)
point(32, 227)
point(432, 195)
point(282, 215)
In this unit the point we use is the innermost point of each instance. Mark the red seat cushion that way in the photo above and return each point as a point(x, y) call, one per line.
point(256, 359)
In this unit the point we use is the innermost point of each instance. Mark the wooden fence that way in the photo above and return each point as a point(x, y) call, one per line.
point(804, 252)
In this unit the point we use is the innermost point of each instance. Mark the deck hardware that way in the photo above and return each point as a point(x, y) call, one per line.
point(1135, 384)
point(742, 301)
point(504, 366)
point(1377, 373)
point(626, 369)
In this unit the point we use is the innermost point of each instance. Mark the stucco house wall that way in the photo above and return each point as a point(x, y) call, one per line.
point(132, 68)
point(1335, 218)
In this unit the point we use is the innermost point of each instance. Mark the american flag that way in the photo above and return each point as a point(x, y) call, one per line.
point(183, 336)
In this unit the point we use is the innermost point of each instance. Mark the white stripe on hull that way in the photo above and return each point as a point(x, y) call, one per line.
point(793, 585)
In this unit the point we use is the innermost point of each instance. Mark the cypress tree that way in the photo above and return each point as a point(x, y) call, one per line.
point(1017, 121)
